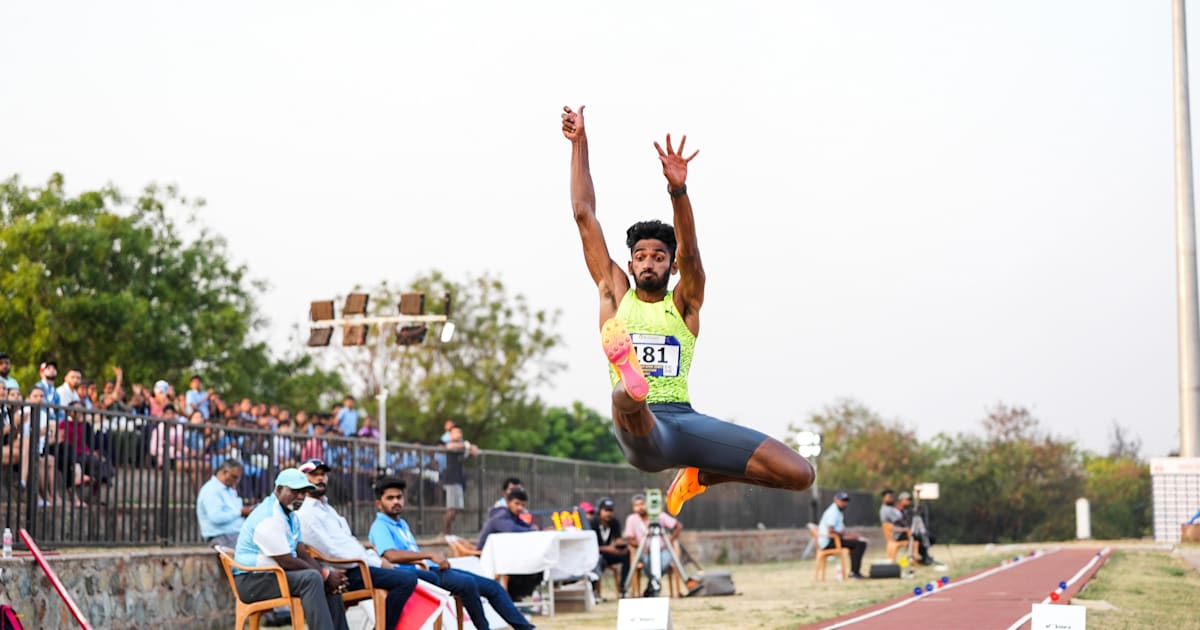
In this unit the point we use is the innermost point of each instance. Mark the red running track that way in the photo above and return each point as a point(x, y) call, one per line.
point(1000, 598)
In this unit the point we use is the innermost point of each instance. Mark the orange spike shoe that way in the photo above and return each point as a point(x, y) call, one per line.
point(685, 486)
point(618, 347)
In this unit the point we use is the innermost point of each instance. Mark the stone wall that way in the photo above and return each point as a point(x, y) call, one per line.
point(122, 588)
point(766, 545)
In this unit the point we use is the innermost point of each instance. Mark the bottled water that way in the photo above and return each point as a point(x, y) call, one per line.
point(7, 542)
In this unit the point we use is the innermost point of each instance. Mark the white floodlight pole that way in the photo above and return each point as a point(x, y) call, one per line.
point(1185, 248)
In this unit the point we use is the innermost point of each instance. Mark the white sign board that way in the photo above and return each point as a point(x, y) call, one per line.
point(1058, 617)
point(644, 613)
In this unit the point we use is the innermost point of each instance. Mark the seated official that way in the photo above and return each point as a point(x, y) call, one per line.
point(508, 520)
point(893, 511)
point(614, 549)
point(637, 526)
point(834, 521)
point(219, 509)
point(271, 537)
point(395, 543)
point(326, 531)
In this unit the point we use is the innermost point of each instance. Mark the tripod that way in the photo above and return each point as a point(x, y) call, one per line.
point(655, 540)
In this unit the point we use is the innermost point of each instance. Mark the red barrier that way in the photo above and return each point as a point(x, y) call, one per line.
point(53, 577)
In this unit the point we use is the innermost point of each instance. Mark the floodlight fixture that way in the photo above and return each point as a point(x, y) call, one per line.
point(447, 332)
point(356, 304)
point(411, 335)
point(320, 310)
point(808, 443)
point(319, 337)
point(412, 304)
point(354, 335)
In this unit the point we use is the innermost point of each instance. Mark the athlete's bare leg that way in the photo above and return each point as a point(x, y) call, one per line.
point(632, 416)
point(773, 465)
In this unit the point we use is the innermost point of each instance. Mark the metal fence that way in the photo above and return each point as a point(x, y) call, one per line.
point(78, 477)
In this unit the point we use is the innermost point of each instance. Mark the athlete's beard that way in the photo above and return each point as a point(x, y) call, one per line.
point(653, 285)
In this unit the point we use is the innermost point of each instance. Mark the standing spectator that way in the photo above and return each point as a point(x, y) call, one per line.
point(347, 418)
point(314, 447)
point(446, 426)
point(197, 398)
point(395, 542)
point(328, 532)
point(5, 366)
point(219, 509)
point(454, 475)
point(138, 403)
point(160, 398)
point(66, 391)
point(49, 372)
point(368, 429)
point(271, 537)
point(86, 391)
point(637, 526)
point(834, 521)
point(614, 549)
point(245, 411)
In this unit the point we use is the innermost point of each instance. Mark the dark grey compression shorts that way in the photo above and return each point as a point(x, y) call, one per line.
point(684, 437)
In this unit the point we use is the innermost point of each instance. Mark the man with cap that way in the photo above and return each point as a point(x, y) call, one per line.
point(326, 531)
point(5, 367)
point(833, 523)
point(894, 511)
point(614, 549)
point(271, 537)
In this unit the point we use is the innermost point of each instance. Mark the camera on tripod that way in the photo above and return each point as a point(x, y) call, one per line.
point(654, 503)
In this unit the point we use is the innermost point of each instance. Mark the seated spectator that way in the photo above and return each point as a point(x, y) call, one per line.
point(219, 510)
point(833, 520)
point(394, 541)
point(326, 531)
point(637, 526)
point(894, 511)
point(271, 537)
point(505, 488)
point(614, 548)
point(368, 429)
point(508, 518)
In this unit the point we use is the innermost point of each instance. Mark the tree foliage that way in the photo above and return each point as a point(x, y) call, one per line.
point(99, 279)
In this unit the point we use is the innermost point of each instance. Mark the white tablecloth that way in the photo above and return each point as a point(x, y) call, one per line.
point(566, 553)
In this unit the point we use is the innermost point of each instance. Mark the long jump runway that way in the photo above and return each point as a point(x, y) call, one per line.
point(999, 598)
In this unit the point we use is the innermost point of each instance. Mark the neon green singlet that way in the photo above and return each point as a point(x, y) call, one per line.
point(663, 343)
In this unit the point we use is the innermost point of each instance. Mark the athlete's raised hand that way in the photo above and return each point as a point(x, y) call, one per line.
point(674, 164)
point(573, 123)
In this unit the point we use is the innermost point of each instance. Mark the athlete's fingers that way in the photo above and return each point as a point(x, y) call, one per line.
point(581, 109)
point(670, 151)
point(694, 154)
point(567, 108)
point(661, 155)
point(682, 141)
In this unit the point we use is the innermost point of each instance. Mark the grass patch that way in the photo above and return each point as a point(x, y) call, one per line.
point(1152, 589)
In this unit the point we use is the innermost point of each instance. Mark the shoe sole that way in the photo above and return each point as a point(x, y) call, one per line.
point(618, 347)
point(673, 509)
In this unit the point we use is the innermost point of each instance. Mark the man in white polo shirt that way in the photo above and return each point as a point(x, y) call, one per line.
point(271, 537)
point(323, 529)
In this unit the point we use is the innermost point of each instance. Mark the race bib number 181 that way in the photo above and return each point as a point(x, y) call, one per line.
point(658, 354)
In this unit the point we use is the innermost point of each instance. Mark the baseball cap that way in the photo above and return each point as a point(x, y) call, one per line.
point(587, 507)
point(841, 496)
point(313, 464)
point(161, 386)
point(605, 504)
point(292, 478)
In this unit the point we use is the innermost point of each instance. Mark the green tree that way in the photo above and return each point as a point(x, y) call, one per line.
point(579, 433)
point(1118, 489)
point(484, 378)
point(862, 451)
point(99, 279)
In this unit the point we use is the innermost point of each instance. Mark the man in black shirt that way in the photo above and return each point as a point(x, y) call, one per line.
point(454, 476)
point(614, 549)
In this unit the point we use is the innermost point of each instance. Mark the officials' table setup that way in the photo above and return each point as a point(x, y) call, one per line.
point(557, 555)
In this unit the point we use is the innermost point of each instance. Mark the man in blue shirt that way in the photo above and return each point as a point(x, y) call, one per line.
point(833, 523)
point(49, 373)
point(271, 537)
point(219, 508)
point(394, 541)
point(347, 418)
point(197, 398)
point(5, 366)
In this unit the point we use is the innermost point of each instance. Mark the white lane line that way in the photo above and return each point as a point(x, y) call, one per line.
point(1096, 558)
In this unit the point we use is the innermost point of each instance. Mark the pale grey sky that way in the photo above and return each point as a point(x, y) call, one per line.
point(929, 206)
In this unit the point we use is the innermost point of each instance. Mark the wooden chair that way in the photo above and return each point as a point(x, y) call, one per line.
point(893, 545)
point(822, 555)
point(377, 596)
point(615, 570)
point(460, 548)
point(253, 611)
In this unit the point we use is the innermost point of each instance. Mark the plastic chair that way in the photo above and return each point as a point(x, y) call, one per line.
point(893, 545)
point(253, 611)
point(823, 555)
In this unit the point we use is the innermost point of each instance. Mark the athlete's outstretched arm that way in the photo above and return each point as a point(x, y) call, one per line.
point(610, 279)
point(689, 293)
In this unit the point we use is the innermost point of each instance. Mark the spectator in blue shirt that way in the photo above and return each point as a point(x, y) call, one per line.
point(271, 537)
point(197, 398)
point(49, 373)
point(219, 508)
point(5, 366)
point(347, 417)
point(834, 521)
point(394, 541)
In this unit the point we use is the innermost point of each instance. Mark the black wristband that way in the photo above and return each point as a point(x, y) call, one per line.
point(681, 191)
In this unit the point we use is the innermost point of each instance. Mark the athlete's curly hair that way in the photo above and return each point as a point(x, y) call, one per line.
point(655, 229)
